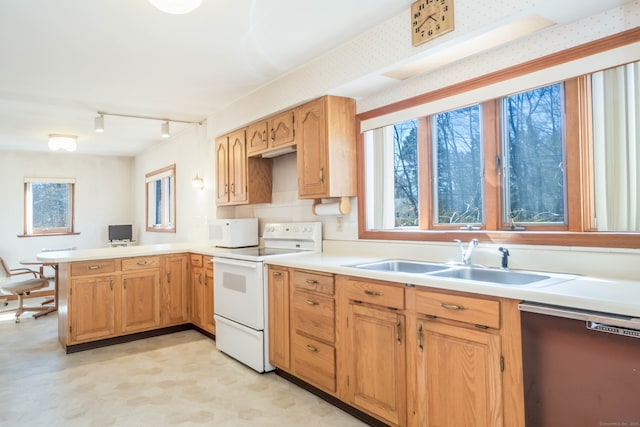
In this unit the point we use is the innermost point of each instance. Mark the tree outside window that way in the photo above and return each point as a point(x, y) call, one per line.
point(48, 206)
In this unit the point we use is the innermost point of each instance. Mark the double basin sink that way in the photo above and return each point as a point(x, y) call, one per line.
point(503, 277)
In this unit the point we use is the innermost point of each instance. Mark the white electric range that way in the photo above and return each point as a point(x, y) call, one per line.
point(241, 295)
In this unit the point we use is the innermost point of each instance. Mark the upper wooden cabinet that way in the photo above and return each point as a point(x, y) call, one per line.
point(326, 144)
point(271, 134)
point(240, 180)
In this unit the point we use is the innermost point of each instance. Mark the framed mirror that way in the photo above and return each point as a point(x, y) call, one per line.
point(161, 199)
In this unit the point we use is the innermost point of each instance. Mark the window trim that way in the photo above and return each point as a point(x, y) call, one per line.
point(578, 120)
point(52, 231)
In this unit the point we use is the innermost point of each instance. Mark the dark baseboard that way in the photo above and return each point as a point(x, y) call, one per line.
point(127, 338)
point(362, 416)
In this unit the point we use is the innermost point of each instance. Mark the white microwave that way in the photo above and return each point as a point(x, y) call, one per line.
point(233, 233)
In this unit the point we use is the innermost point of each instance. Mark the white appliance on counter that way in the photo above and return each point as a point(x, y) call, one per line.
point(233, 233)
point(240, 286)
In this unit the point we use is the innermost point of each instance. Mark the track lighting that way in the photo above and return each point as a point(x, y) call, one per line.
point(164, 130)
point(98, 123)
point(59, 141)
point(164, 127)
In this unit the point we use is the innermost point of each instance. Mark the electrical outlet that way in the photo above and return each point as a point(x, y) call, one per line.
point(339, 223)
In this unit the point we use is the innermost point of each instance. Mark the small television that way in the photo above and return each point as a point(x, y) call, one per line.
point(120, 232)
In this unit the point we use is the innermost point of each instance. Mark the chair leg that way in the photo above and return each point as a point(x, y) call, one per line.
point(20, 307)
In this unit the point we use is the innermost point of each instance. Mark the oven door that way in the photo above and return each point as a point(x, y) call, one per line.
point(239, 291)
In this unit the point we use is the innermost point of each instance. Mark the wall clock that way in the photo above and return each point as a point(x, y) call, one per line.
point(430, 19)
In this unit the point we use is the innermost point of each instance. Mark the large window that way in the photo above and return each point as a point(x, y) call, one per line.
point(48, 206)
point(555, 164)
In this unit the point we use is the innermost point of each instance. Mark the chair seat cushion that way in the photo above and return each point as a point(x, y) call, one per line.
point(25, 286)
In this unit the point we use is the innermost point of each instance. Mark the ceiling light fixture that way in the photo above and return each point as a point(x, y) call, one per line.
point(198, 182)
point(164, 130)
point(98, 123)
point(176, 7)
point(60, 141)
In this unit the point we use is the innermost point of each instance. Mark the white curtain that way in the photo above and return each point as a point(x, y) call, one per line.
point(616, 135)
point(379, 176)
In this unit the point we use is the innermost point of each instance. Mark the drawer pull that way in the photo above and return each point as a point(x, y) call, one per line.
point(311, 302)
point(312, 281)
point(312, 348)
point(373, 293)
point(94, 267)
point(142, 262)
point(277, 274)
point(452, 306)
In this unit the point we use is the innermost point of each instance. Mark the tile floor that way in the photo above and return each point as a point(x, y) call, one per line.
point(172, 380)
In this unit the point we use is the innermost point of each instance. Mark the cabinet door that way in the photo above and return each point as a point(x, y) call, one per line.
point(279, 338)
point(222, 170)
point(282, 130)
point(175, 290)
point(458, 376)
point(257, 138)
point(140, 301)
point(92, 308)
point(312, 149)
point(377, 372)
point(207, 306)
point(197, 296)
point(237, 167)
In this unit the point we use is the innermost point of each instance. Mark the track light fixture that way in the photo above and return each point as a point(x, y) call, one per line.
point(176, 7)
point(99, 123)
point(164, 130)
point(164, 127)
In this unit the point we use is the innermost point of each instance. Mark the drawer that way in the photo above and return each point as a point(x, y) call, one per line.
point(86, 268)
point(140, 263)
point(207, 261)
point(314, 362)
point(376, 293)
point(313, 281)
point(314, 314)
point(196, 260)
point(478, 311)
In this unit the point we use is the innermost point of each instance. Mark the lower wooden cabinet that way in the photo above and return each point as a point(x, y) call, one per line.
point(279, 324)
point(140, 301)
point(201, 302)
point(374, 356)
point(92, 308)
point(175, 290)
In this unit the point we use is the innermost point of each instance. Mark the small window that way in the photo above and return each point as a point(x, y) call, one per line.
point(161, 199)
point(48, 206)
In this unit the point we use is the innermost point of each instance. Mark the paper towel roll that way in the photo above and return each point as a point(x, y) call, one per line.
point(333, 208)
point(327, 209)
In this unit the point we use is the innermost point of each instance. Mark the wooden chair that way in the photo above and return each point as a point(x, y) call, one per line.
point(22, 287)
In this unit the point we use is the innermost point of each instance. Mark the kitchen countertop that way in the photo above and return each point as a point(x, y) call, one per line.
point(620, 297)
point(589, 293)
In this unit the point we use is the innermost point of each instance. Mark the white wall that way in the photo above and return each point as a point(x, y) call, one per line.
point(102, 197)
point(192, 153)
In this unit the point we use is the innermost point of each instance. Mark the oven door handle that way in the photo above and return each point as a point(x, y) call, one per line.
point(235, 262)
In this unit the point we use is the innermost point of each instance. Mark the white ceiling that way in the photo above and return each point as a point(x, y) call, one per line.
point(62, 61)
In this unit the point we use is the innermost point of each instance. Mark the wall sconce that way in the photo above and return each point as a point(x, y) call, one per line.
point(59, 141)
point(198, 182)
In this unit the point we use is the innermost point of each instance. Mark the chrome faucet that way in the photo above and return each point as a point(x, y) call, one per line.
point(466, 254)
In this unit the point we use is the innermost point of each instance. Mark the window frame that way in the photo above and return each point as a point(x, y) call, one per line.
point(28, 229)
point(168, 190)
point(579, 231)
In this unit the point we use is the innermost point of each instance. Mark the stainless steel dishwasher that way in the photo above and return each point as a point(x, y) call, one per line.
point(581, 368)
